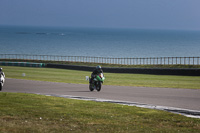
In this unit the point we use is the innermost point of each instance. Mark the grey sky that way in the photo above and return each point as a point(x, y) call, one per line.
point(153, 14)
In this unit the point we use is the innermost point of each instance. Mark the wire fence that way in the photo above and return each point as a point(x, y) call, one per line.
point(107, 60)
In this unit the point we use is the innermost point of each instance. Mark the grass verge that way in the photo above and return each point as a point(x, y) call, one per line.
point(35, 113)
point(78, 77)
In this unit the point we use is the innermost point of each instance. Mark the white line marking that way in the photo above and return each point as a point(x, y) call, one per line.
point(185, 112)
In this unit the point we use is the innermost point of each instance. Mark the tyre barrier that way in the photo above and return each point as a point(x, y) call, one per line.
point(24, 64)
point(155, 71)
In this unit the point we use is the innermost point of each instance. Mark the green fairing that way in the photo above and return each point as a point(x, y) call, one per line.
point(99, 79)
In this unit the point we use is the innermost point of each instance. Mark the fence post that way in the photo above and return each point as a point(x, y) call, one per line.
point(168, 60)
point(164, 60)
point(193, 60)
point(143, 61)
point(150, 59)
point(146, 61)
point(189, 60)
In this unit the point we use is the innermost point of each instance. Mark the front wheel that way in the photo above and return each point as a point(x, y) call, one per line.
point(98, 86)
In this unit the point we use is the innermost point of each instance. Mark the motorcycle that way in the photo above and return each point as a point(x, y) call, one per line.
point(2, 80)
point(96, 82)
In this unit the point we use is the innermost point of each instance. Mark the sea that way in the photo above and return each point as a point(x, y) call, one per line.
point(99, 42)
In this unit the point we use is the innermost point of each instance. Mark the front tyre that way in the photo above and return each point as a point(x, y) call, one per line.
point(98, 86)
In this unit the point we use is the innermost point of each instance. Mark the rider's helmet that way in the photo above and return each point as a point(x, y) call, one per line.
point(98, 68)
point(1, 69)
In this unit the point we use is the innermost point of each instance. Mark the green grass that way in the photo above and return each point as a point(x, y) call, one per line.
point(34, 113)
point(78, 77)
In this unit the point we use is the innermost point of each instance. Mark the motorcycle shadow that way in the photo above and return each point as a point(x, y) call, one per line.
point(79, 91)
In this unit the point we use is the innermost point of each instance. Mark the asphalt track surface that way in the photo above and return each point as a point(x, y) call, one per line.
point(169, 97)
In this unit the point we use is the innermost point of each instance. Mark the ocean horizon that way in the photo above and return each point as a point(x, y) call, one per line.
point(99, 42)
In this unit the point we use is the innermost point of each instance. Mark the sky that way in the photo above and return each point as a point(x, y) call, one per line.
point(140, 14)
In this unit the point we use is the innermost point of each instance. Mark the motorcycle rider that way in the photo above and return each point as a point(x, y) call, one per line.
point(96, 71)
point(1, 72)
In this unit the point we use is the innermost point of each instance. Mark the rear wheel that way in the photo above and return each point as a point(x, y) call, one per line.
point(90, 87)
point(1, 86)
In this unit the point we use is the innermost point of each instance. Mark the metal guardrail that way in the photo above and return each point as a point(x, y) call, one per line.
point(108, 60)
